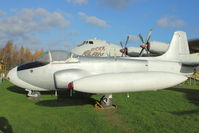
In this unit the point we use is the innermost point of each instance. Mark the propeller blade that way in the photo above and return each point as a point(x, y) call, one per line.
point(127, 39)
point(147, 52)
point(149, 35)
point(126, 51)
point(141, 38)
point(121, 44)
point(140, 54)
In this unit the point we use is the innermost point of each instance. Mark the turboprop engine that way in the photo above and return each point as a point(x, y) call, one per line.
point(127, 82)
point(63, 77)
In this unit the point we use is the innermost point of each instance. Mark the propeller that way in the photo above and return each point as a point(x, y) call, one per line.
point(145, 44)
point(124, 49)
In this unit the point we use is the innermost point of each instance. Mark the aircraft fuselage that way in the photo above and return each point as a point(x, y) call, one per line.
point(57, 75)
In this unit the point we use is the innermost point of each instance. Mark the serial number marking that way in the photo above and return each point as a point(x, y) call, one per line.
point(98, 51)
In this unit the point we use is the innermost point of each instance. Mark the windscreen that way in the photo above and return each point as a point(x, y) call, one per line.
point(57, 55)
point(60, 55)
point(44, 58)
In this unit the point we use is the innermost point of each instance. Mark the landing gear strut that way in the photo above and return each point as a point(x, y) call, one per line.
point(33, 94)
point(105, 102)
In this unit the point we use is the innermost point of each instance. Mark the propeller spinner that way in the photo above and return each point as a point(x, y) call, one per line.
point(145, 44)
point(124, 49)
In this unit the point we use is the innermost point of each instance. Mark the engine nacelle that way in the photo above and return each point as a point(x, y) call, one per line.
point(158, 47)
point(62, 78)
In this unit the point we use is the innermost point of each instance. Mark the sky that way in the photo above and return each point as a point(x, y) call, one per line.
point(63, 24)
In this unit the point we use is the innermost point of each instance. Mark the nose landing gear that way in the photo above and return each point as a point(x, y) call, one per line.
point(33, 94)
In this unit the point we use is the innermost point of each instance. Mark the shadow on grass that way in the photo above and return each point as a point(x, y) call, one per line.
point(23, 91)
point(64, 99)
point(192, 95)
point(5, 127)
point(17, 90)
point(196, 111)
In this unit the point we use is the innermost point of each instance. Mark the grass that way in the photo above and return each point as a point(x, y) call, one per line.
point(172, 110)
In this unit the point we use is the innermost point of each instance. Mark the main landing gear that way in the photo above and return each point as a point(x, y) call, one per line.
point(105, 102)
point(33, 94)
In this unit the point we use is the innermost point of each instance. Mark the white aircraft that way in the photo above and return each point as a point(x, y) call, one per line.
point(106, 75)
point(94, 47)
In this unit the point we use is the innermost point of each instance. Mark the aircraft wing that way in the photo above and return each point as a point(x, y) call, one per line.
point(189, 63)
point(191, 60)
point(194, 45)
point(159, 48)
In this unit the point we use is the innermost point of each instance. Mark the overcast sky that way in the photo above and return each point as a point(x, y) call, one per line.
point(62, 24)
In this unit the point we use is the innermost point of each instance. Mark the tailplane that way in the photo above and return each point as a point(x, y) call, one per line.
point(178, 47)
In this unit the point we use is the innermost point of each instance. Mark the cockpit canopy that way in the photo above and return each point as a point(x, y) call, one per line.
point(55, 55)
point(46, 58)
point(86, 42)
point(94, 41)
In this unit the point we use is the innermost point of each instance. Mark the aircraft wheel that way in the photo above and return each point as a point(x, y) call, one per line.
point(33, 94)
point(36, 94)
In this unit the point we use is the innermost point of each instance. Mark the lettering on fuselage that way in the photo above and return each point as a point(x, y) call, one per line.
point(97, 51)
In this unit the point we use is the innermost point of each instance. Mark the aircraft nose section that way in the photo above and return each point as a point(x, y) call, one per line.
point(12, 75)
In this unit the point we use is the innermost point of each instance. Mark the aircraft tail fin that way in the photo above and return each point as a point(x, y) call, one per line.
point(178, 47)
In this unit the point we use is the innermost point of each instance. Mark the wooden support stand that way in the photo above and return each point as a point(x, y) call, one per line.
point(98, 106)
